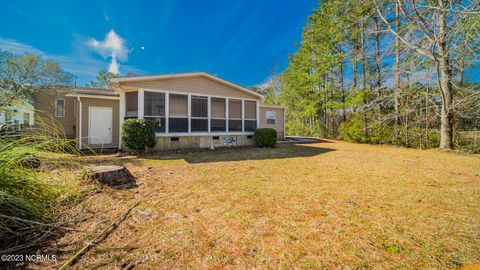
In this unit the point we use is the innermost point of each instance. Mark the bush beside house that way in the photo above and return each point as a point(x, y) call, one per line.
point(138, 134)
point(265, 137)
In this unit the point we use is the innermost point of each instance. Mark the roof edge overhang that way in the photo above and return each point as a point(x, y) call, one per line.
point(92, 96)
point(116, 82)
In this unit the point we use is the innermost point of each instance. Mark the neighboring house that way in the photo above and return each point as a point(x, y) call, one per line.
point(189, 110)
point(20, 112)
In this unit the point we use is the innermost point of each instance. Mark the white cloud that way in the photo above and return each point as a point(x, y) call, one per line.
point(265, 84)
point(114, 47)
point(81, 65)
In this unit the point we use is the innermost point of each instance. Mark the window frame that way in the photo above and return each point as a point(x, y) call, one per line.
point(56, 107)
point(274, 118)
point(250, 119)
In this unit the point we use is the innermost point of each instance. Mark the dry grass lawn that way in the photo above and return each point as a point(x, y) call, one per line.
point(328, 205)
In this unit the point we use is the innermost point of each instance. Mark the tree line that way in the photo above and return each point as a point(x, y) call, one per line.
point(396, 72)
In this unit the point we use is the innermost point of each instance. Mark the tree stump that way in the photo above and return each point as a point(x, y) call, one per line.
point(111, 176)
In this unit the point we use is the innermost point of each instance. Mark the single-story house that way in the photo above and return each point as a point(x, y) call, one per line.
point(189, 110)
point(20, 112)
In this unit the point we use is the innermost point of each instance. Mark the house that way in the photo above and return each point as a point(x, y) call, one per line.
point(20, 112)
point(189, 110)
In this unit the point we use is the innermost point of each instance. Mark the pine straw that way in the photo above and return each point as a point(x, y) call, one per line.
point(331, 205)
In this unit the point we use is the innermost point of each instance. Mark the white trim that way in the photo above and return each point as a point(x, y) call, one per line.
point(183, 75)
point(209, 113)
point(226, 113)
point(204, 134)
point(189, 112)
point(122, 116)
point(167, 110)
point(243, 115)
point(93, 96)
point(80, 135)
point(140, 101)
point(258, 114)
point(56, 107)
point(271, 106)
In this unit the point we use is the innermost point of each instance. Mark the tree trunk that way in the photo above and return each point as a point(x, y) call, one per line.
point(342, 93)
point(398, 85)
point(377, 55)
point(446, 129)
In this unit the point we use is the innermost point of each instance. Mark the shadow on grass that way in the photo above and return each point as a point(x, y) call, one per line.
point(239, 153)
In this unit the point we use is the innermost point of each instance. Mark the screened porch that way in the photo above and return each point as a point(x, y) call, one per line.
point(176, 114)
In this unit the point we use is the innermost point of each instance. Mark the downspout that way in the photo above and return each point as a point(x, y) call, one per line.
point(79, 123)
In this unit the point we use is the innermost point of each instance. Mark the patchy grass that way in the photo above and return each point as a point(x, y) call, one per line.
point(329, 205)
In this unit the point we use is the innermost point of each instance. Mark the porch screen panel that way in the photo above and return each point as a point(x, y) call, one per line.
point(154, 110)
point(234, 115)
point(131, 104)
point(154, 104)
point(218, 114)
point(199, 114)
point(178, 117)
point(250, 115)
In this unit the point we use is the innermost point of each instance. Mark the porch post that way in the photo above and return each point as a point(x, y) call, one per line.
point(258, 113)
point(167, 110)
point(122, 118)
point(226, 115)
point(209, 114)
point(189, 112)
point(243, 115)
point(140, 103)
point(80, 135)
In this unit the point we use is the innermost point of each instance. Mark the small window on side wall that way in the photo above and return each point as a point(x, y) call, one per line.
point(60, 107)
point(270, 116)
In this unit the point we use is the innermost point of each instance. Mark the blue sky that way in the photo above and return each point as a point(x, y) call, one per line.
point(239, 40)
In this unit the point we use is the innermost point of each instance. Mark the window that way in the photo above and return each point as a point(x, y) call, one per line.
point(60, 107)
point(218, 113)
point(270, 116)
point(199, 111)
point(26, 118)
point(154, 110)
point(250, 115)
point(131, 104)
point(234, 115)
point(178, 116)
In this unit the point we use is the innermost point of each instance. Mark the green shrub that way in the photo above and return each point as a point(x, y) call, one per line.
point(138, 134)
point(265, 137)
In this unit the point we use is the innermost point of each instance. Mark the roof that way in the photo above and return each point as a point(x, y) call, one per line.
point(272, 106)
point(94, 91)
point(91, 92)
point(117, 81)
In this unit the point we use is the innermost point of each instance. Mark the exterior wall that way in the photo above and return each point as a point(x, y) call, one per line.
point(279, 121)
point(44, 103)
point(191, 85)
point(186, 142)
point(114, 104)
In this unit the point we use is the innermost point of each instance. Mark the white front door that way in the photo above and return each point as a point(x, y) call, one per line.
point(99, 125)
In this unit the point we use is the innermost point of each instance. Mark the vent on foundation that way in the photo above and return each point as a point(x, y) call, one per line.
point(174, 139)
point(216, 137)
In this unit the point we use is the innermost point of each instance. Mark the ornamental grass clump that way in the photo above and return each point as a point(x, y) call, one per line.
point(28, 196)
